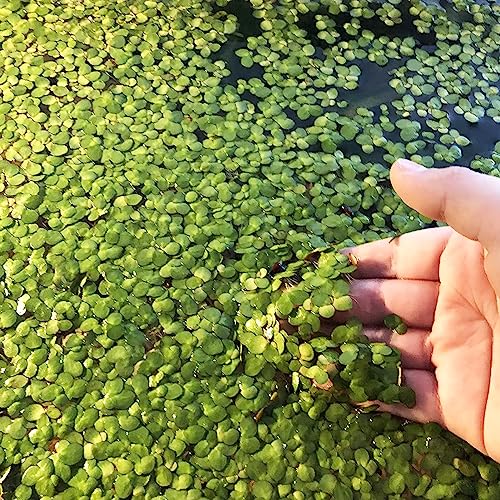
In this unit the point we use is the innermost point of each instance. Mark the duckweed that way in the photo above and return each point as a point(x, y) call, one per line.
point(178, 184)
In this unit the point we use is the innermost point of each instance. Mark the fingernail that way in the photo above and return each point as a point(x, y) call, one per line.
point(409, 166)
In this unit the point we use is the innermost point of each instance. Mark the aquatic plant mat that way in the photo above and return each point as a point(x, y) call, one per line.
point(177, 181)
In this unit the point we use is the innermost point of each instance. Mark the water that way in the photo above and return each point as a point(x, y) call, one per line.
point(374, 88)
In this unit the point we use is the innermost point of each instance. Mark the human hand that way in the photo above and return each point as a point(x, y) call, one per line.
point(445, 284)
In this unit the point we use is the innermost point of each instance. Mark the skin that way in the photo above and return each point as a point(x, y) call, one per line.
point(445, 284)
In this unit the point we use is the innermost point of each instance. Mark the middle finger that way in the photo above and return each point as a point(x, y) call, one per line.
point(373, 299)
point(414, 346)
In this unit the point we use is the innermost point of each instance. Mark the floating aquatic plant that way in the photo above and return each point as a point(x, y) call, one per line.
point(178, 181)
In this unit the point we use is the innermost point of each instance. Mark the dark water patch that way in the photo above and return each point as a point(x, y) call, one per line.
point(292, 114)
point(307, 23)
point(406, 28)
point(373, 87)
point(453, 14)
point(248, 24)
point(319, 53)
point(11, 481)
point(352, 148)
point(248, 96)
point(483, 135)
point(227, 54)
point(200, 134)
point(372, 91)
point(451, 11)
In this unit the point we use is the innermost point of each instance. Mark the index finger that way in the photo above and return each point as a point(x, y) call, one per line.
point(411, 256)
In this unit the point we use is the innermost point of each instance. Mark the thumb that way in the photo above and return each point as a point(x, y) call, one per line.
point(467, 201)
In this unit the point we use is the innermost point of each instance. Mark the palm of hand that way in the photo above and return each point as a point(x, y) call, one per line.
point(435, 279)
point(446, 285)
point(465, 324)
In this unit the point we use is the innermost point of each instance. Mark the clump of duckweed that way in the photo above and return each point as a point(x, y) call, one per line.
point(303, 293)
point(177, 182)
